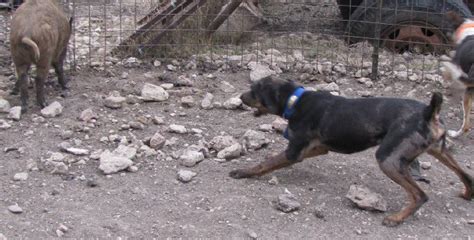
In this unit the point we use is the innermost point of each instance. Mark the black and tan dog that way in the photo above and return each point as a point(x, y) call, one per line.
point(461, 66)
point(319, 122)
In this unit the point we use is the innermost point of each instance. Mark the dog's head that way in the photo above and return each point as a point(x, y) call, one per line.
point(268, 96)
point(455, 19)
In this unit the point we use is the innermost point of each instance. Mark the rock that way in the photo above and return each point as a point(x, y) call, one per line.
point(331, 87)
point(22, 176)
point(156, 63)
point(411, 94)
point(59, 168)
point(113, 163)
point(287, 203)
point(167, 86)
point(4, 106)
point(252, 234)
point(158, 120)
point(219, 143)
point(265, 127)
point(187, 102)
point(425, 165)
point(77, 151)
point(132, 169)
point(2, 237)
point(52, 110)
point(279, 124)
point(15, 113)
point(255, 139)
point(183, 81)
point(206, 103)
point(87, 115)
point(227, 87)
point(114, 100)
point(4, 124)
point(273, 181)
point(173, 128)
point(66, 134)
point(157, 141)
point(171, 68)
point(136, 125)
point(470, 221)
point(230, 152)
point(186, 175)
point(153, 93)
point(259, 71)
point(232, 103)
point(131, 62)
point(15, 209)
point(125, 151)
point(366, 199)
point(190, 158)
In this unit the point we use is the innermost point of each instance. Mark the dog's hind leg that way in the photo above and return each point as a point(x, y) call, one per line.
point(394, 158)
point(447, 159)
point(466, 107)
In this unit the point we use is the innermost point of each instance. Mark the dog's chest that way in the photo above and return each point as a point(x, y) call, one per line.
point(465, 30)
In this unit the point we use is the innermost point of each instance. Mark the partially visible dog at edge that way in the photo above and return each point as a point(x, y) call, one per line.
point(40, 33)
point(461, 67)
point(319, 122)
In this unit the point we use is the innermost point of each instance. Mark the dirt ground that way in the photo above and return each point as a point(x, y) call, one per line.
point(152, 203)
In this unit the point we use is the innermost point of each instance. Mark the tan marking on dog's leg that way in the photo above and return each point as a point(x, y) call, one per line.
point(447, 159)
point(399, 174)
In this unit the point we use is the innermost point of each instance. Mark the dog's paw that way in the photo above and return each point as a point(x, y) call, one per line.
point(391, 221)
point(240, 173)
point(454, 134)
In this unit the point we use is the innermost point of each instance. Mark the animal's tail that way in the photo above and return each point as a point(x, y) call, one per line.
point(431, 112)
point(34, 47)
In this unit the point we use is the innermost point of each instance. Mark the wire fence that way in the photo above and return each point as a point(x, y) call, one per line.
point(319, 39)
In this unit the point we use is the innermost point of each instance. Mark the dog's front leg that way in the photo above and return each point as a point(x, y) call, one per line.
point(270, 164)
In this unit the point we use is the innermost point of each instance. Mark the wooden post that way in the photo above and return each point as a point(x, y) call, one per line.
point(225, 12)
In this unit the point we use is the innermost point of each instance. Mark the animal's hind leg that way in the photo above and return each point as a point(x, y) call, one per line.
point(42, 75)
point(21, 86)
point(466, 106)
point(445, 157)
point(394, 158)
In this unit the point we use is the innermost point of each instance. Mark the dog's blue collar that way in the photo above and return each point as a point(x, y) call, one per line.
point(291, 102)
point(290, 106)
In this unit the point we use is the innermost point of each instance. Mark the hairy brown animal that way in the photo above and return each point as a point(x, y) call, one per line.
point(40, 32)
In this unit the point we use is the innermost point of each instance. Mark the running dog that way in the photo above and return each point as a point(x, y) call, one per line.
point(319, 122)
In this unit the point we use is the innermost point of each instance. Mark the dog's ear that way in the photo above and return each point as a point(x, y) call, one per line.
point(455, 19)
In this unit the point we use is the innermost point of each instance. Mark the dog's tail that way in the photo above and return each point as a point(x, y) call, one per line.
point(431, 112)
point(28, 41)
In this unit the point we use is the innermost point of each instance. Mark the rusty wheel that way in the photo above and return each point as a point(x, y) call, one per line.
point(414, 37)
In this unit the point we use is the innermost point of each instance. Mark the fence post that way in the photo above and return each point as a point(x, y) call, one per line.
point(376, 41)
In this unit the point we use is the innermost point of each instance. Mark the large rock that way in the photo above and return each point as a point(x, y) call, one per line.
point(366, 199)
point(287, 203)
point(114, 100)
point(230, 152)
point(125, 151)
point(206, 103)
point(52, 110)
point(218, 143)
point(87, 115)
point(113, 163)
point(153, 93)
point(190, 158)
point(233, 103)
point(14, 113)
point(255, 140)
point(186, 175)
point(259, 71)
point(174, 128)
point(157, 141)
point(4, 106)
